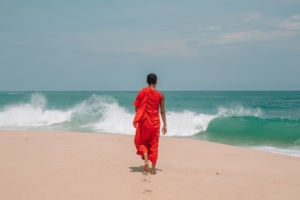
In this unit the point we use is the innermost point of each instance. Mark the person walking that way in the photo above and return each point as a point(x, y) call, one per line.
point(147, 122)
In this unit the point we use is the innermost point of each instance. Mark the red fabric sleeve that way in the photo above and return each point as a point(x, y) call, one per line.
point(136, 103)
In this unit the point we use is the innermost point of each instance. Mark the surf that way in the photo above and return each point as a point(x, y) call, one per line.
point(112, 112)
point(97, 113)
point(32, 114)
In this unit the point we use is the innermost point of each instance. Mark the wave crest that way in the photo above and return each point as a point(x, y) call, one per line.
point(32, 114)
point(102, 113)
point(187, 123)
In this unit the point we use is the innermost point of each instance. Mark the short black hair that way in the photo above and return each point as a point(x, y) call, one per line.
point(151, 79)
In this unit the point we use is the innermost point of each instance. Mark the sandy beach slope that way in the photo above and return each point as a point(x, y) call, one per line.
point(59, 165)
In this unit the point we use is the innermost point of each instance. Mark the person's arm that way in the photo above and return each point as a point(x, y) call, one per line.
point(163, 114)
point(136, 104)
point(135, 124)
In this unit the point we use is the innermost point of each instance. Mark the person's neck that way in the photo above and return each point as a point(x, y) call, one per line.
point(152, 86)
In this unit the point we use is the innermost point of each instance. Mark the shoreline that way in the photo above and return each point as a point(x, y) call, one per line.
point(72, 165)
point(279, 150)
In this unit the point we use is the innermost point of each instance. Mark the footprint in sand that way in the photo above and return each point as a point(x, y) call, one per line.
point(147, 191)
point(146, 179)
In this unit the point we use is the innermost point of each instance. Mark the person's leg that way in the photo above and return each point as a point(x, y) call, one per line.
point(153, 171)
point(146, 166)
point(153, 153)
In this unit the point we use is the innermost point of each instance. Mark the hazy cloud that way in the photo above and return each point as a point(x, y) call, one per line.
point(291, 24)
point(296, 16)
point(251, 16)
point(247, 36)
point(41, 41)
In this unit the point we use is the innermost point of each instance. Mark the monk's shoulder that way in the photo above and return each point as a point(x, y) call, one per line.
point(143, 90)
point(161, 94)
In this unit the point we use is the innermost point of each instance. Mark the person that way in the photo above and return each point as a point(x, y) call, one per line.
point(147, 122)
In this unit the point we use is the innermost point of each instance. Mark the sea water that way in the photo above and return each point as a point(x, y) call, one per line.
point(267, 121)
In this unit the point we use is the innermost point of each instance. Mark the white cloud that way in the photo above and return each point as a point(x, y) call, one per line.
point(288, 27)
point(246, 36)
point(296, 16)
point(287, 24)
point(291, 24)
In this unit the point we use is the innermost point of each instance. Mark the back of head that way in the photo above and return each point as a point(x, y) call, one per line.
point(151, 79)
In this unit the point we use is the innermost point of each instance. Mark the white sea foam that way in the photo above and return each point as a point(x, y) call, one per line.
point(94, 105)
point(295, 151)
point(97, 114)
point(111, 118)
point(117, 120)
point(187, 123)
point(32, 114)
point(239, 111)
point(12, 93)
point(100, 113)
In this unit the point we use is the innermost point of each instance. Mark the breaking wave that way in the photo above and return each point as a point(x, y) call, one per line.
point(102, 113)
point(98, 113)
point(32, 114)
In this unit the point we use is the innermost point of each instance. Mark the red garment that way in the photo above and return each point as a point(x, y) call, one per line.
point(147, 123)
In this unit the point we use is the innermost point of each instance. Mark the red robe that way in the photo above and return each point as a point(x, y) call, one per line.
point(147, 123)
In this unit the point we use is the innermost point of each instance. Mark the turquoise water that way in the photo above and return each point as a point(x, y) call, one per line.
point(262, 120)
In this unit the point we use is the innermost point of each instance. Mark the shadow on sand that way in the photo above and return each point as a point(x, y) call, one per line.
point(140, 169)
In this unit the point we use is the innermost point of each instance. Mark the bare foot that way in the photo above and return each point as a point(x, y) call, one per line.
point(146, 168)
point(153, 172)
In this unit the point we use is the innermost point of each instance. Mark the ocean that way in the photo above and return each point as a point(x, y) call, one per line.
point(268, 121)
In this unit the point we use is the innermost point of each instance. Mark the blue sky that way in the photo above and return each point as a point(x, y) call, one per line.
point(113, 45)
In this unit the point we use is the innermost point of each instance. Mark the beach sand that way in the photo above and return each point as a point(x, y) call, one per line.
point(60, 165)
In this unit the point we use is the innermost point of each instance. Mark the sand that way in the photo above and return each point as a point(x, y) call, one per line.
point(60, 165)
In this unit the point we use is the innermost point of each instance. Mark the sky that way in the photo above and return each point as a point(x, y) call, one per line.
point(113, 45)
